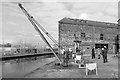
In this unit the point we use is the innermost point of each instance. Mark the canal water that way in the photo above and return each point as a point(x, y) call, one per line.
point(13, 69)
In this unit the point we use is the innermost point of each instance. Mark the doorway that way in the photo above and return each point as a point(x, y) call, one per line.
point(98, 45)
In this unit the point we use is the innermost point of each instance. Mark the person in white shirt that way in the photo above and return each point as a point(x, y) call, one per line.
point(62, 51)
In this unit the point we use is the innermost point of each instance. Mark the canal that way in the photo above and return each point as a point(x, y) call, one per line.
point(13, 69)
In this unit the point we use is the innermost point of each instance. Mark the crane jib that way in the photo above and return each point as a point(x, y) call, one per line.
point(27, 14)
point(30, 18)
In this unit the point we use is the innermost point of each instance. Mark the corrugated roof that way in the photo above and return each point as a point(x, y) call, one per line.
point(87, 22)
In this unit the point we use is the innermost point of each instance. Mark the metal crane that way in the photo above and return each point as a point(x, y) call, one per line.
point(37, 26)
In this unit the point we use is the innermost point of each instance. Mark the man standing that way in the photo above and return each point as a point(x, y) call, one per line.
point(104, 53)
point(66, 58)
point(93, 53)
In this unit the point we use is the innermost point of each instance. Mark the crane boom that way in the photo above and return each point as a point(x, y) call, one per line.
point(31, 19)
point(56, 43)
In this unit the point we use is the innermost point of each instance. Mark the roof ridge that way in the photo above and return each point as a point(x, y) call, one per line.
point(89, 22)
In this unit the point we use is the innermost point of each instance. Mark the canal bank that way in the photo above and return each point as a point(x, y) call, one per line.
point(20, 70)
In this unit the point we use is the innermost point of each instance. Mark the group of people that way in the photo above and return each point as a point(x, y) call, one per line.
point(66, 56)
point(100, 52)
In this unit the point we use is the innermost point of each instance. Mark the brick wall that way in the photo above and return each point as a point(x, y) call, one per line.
point(92, 34)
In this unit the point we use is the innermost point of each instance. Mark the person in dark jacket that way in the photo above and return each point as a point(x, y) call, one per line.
point(104, 53)
point(93, 53)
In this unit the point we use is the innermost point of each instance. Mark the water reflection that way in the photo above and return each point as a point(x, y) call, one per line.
point(14, 69)
point(10, 70)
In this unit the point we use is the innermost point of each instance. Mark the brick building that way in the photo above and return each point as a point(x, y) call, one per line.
point(90, 33)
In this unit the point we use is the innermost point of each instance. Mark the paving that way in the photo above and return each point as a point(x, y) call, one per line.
point(105, 70)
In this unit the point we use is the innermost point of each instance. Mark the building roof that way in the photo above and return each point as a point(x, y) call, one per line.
point(87, 22)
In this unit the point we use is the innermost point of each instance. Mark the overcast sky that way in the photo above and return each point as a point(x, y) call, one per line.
point(16, 27)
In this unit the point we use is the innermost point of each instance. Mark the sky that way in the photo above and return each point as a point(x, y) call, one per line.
point(15, 27)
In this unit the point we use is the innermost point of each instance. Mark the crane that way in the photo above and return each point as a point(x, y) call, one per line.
point(37, 27)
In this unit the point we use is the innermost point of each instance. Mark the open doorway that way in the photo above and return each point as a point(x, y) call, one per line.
point(98, 45)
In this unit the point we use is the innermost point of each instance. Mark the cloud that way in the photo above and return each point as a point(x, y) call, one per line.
point(84, 16)
point(21, 0)
point(87, 9)
point(0, 23)
point(99, 16)
point(89, 0)
point(119, 9)
point(17, 27)
point(60, 0)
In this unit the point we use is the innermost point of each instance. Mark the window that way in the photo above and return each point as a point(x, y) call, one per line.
point(82, 34)
point(101, 36)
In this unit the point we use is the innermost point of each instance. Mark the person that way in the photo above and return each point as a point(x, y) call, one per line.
point(106, 51)
point(93, 53)
point(66, 58)
point(104, 54)
point(73, 55)
point(99, 53)
point(70, 52)
point(62, 51)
